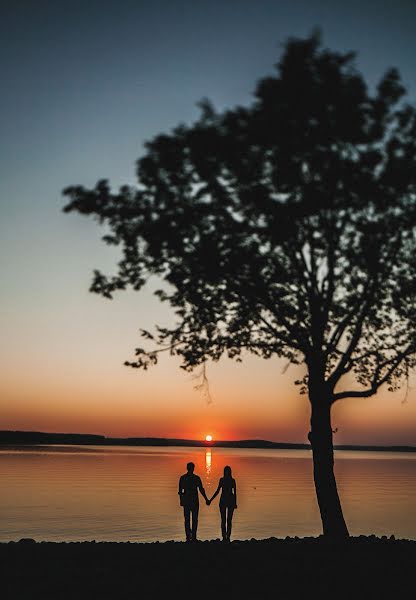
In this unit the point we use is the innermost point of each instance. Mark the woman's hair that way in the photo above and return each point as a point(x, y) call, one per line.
point(227, 471)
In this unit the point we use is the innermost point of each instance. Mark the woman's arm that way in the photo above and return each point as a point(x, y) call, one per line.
point(235, 493)
point(217, 490)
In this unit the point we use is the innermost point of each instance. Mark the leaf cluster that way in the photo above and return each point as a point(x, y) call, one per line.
point(283, 228)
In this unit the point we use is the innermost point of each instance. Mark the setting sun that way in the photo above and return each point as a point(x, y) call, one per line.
point(208, 438)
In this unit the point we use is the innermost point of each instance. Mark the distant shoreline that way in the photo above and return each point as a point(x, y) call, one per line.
point(23, 438)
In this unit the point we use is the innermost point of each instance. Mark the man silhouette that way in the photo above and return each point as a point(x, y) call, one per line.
point(189, 484)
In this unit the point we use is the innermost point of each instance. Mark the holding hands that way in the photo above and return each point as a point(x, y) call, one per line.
point(209, 500)
point(189, 486)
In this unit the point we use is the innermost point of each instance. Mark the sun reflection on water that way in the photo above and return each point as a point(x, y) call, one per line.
point(208, 461)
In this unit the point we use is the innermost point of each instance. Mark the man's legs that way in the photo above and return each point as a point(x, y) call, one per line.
point(187, 518)
point(195, 511)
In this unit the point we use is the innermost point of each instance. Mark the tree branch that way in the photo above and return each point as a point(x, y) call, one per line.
point(355, 337)
point(377, 383)
point(279, 334)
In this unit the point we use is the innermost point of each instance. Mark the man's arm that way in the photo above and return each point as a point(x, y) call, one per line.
point(201, 489)
point(180, 490)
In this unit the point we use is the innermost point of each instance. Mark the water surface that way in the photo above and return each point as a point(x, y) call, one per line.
point(130, 493)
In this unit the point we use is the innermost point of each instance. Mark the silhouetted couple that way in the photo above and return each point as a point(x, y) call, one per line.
point(190, 484)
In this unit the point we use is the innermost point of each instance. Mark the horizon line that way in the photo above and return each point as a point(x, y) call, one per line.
point(90, 438)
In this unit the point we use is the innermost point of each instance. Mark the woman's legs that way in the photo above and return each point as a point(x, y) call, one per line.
point(226, 521)
point(229, 521)
point(223, 511)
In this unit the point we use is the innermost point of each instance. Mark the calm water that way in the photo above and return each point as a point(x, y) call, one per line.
point(125, 493)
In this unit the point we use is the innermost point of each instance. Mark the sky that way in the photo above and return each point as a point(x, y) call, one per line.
point(84, 85)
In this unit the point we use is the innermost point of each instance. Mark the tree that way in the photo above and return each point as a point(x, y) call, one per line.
point(285, 228)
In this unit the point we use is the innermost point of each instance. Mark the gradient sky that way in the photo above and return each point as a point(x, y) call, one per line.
point(84, 84)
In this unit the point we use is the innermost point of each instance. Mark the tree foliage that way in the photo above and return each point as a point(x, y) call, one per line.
point(283, 228)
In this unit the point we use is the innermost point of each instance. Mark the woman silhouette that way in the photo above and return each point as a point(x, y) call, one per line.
point(228, 502)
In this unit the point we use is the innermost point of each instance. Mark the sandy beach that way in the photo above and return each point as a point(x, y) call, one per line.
point(362, 567)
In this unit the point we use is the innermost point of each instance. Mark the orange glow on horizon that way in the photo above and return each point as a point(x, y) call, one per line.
point(249, 402)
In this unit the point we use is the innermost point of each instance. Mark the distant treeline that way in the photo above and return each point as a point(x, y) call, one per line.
point(37, 437)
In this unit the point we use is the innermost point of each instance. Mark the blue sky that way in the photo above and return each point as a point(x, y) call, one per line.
point(84, 85)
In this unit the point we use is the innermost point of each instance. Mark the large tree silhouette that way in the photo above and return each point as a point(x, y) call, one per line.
point(282, 229)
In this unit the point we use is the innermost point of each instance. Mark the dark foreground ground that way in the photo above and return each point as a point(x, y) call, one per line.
point(364, 567)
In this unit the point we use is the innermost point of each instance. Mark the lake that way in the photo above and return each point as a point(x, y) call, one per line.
point(130, 493)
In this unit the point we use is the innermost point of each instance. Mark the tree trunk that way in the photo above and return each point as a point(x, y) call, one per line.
point(320, 437)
